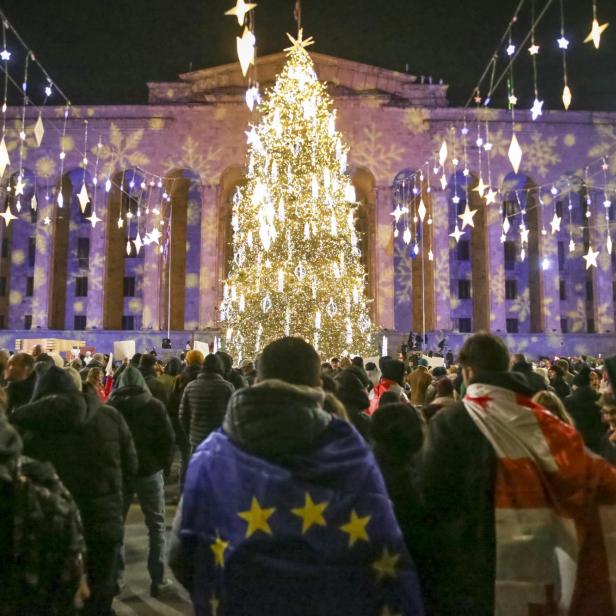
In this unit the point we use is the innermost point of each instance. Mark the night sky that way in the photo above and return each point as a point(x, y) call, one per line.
point(104, 52)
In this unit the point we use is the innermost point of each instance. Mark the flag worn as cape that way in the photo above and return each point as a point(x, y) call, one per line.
point(555, 511)
point(314, 537)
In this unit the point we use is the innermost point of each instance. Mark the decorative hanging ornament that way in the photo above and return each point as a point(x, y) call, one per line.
point(60, 199)
point(515, 153)
point(608, 244)
point(94, 219)
point(34, 203)
point(246, 50)
point(240, 10)
point(83, 198)
point(467, 217)
point(19, 186)
point(591, 257)
point(252, 97)
point(567, 97)
point(406, 236)
point(442, 154)
point(4, 157)
point(555, 223)
point(422, 210)
point(331, 308)
point(457, 234)
point(266, 304)
point(300, 271)
point(8, 216)
point(39, 130)
point(537, 109)
point(506, 225)
point(595, 33)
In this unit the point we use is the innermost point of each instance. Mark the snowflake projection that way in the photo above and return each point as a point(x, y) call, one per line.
point(373, 151)
point(13, 141)
point(555, 340)
point(606, 146)
point(605, 320)
point(45, 167)
point(486, 114)
point(577, 316)
point(119, 151)
point(500, 144)
point(403, 274)
point(193, 212)
point(521, 306)
point(416, 120)
point(497, 288)
point(205, 162)
point(541, 153)
point(441, 273)
point(547, 306)
point(516, 345)
point(97, 268)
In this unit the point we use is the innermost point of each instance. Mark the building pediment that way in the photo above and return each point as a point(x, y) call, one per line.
point(346, 78)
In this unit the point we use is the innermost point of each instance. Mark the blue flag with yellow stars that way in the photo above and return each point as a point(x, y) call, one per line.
point(316, 536)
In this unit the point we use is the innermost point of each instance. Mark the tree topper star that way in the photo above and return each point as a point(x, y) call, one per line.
point(240, 10)
point(299, 42)
point(591, 257)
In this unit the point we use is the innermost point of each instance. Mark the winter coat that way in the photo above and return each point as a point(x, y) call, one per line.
point(352, 393)
point(380, 388)
point(560, 387)
point(281, 452)
point(608, 449)
point(19, 392)
point(149, 425)
point(535, 381)
point(435, 406)
point(419, 380)
point(159, 391)
point(583, 408)
point(203, 406)
point(89, 445)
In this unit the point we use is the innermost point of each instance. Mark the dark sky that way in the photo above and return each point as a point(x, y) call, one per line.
point(105, 51)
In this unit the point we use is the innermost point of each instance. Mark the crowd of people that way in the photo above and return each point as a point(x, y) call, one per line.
point(486, 486)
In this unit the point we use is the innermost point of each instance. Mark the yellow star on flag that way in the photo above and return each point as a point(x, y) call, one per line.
point(214, 604)
point(240, 10)
point(299, 42)
point(257, 518)
point(218, 548)
point(311, 513)
point(386, 565)
point(356, 528)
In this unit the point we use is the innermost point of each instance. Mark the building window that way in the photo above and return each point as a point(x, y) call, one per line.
point(564, 325)
point(590, 326)
point(128, 322)
point(4, 250)
point(509, 248)
point(2, 286)
point(464, 325)
point(81, 286)
point(2, 321)
point(28, 321)
point(33, 216)
point(563, 290)
point(561, 256)
point(83, 251)
point(31, 251)
point(79, 321)
point(512, 326)
point(511, 289)
point(29, 286)
point(559, 208)
point(129, 286)
point(589, 291)
point(464, 250)
point(464, 289)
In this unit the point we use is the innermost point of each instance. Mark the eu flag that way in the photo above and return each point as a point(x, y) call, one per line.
point(312, 536)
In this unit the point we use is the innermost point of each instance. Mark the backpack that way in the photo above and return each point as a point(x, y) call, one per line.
point(44, 561)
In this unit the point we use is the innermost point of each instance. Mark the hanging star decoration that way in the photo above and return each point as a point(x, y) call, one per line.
point(572, 246)
point(46, 220)
point(457, 234)
point(563, 43)
point(93, 219)
point(524, 235)
point(154, 235)
point(257, 518)
point(513, 100)
point(510, 49)
point(595, 33)
point(8, 216)
point(5, 54)
point(591, 257)
point(240, 10)
point(490, 196)
point(83, 198)
point(480, 188)
point(311, 513)
point(299, 42)
point(555, 224)
point(537, 109)
point(138, 242)
point(515, 153)
point(19, 186)
point(397, 213)
point(533, 50)
point(467, 217)
point(246, 50)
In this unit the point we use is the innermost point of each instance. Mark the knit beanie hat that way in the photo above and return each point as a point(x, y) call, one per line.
point(444, 387)
point(132, 376)
point(393, 370)
point(194, 358)
point(582, 379)
point(75, 376)
point(398, 429)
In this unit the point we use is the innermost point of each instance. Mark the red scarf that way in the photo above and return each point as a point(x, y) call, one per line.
point(379, 389)
point(555, 511)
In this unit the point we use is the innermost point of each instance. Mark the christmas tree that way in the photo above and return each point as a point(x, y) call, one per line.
point(296, 266)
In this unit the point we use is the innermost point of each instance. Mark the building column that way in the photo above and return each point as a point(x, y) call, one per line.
point(209, 266)
point(151, 287)
point(384, 259)
point(550, 278)
point(496, 266)
point(96, 273)
point(603, 305)
point(42, 264)
point(440, 248)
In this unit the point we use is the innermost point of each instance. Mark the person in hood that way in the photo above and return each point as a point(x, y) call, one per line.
point(235, 377)
point(21, 378)
point(500, 479)
point(354, 396)
point(92, 450)
point(444, 396)
point(153, 435)
point(284, 509)
point(41, 536)
point(557, 381)
point(170, 373)
point(147, 365)
point(204, 401)
point(392, 379)
point(535, 381)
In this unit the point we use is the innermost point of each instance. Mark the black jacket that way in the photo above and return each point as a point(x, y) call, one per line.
point(586, 414)
point(150, 426)
point(19, 392)
point(203, 406)
point(352, 393)
point(456, 476)
point(560, 386)
point(91, 448)
point(535, 381)
point(157, 388)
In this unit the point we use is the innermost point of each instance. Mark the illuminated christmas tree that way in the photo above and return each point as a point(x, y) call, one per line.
point(296, 260)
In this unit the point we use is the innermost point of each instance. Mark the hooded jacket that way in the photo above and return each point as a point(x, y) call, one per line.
point(203, 406)
point(583, 408)
point(89, 445)
point(316, 482)
point(353, 394)
point(19, 392)
point(148, 422)
point(234, 377)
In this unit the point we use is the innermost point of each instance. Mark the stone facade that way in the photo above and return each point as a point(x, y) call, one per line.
point(68, 275)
